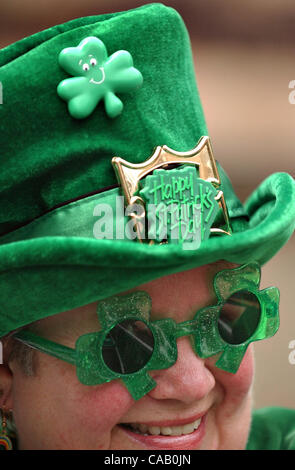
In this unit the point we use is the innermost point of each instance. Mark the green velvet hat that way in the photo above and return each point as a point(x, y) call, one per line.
point(57, 144)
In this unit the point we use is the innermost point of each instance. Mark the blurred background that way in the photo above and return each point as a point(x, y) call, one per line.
point(244, 56)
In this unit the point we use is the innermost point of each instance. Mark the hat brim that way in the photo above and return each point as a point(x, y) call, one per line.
point(44, 276)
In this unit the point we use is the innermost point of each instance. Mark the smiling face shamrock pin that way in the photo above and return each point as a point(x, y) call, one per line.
point(95, 77)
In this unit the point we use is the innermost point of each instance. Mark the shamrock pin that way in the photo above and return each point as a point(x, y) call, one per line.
point(95, 77)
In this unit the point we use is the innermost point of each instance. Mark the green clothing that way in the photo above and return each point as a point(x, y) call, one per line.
point(272, 429)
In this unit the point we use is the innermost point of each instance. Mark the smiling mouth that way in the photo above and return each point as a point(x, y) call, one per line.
point(103, 77)
point(146, 430)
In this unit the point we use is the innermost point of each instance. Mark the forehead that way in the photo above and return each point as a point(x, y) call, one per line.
point(176, 296)
point(179, 295)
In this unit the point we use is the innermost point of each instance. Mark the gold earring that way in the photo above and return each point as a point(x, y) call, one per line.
point(5, 442)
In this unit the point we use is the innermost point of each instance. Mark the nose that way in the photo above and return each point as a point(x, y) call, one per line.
point(188, 380)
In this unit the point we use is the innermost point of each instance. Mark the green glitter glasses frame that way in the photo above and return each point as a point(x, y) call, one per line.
point(129, 344)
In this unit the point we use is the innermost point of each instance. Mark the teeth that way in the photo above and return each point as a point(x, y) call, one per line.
point(154, 430)
point(143, 428)
point(166, 430)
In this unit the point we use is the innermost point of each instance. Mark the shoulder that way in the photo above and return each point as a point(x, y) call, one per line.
point(272, 429)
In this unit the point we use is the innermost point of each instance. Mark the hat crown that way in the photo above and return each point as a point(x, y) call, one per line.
point(59, 158)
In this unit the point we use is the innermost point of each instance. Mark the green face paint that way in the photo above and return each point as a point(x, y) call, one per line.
point(129, 344)
point(96, 77)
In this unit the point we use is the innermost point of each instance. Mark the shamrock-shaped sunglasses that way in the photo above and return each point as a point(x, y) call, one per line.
point(129, 344)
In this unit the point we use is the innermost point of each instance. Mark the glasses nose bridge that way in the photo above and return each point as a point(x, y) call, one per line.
point(186, 328)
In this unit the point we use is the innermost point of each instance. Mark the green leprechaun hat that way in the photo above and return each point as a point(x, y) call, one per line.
point(74, 97)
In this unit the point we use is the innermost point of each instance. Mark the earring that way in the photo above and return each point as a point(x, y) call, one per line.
point(5, 442)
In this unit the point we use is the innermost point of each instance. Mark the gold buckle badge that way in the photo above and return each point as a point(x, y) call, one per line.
point(129, 176)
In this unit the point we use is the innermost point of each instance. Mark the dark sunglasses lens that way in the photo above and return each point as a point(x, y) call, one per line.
point(128, 347)
point(239, 317)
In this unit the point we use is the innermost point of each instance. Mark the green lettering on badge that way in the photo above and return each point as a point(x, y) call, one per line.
point(180, 206)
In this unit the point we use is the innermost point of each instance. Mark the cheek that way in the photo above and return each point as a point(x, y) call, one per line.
point(236, 387)
point(232, 413)
point(103, 405)
point(68, 414)
point(100, 406)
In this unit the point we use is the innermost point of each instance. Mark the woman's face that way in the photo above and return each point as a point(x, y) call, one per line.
point(53, 410)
